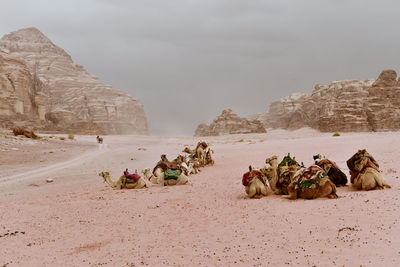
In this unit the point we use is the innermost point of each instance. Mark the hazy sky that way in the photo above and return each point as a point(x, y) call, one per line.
point(186, 60)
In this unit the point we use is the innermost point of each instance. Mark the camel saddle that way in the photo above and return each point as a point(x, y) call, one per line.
point(131, 178)
point(172, 174)
point(355, 160)
point(247, 177)
point(288, 161)
point(309, 177)
point(203, 145)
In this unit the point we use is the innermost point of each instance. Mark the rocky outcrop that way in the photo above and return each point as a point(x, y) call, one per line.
point(64, 95)
point(21, 96)
point(229, 123)
point(368, 105)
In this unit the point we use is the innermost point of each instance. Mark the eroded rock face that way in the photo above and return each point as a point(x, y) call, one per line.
point(20, 92)
point(69, 95)
point(369, 105)
point(229, 123)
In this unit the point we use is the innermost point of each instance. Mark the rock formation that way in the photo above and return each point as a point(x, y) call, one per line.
point(20, 96)
point(368, 105)
point(229, 123)
point(41, 83)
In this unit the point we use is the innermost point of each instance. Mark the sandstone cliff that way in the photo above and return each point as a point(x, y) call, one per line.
point(368, 105)
point(64, 95)
point(229, 123)
point(20, 92)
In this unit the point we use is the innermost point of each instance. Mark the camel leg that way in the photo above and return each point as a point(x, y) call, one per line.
point(368, 181)
point(141, 183)
point(182, 179)
point(380, 180)
point(357, 184)
point(158, 177)
point(252, 190)
point(263, 190)
point(272, 183)
point(333, 192)
point(292, 191)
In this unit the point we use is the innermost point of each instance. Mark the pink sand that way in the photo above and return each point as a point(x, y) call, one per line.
point(79, 221)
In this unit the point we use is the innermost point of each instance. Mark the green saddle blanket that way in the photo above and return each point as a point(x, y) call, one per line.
point(129, 181)
point(171, 174)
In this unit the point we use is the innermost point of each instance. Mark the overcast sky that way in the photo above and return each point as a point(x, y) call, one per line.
point(187, 60)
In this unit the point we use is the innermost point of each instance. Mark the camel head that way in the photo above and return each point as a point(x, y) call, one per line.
point(179, 159)
point(268, 172)
point(318, 156)
point(271, 160)
point(186, 150)
point(104, 175)
point(147, 172)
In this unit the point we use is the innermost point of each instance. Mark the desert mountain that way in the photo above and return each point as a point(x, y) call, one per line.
point(229, 123)
point(41, 86)
point(352, 105)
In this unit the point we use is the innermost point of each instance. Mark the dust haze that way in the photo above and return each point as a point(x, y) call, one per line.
point(188, 60)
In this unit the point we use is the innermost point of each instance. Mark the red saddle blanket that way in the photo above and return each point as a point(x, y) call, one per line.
point(203, 144)
point(247, 177)
point(132, 176)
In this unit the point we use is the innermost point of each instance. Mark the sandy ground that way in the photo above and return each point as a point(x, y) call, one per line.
point(79, 221)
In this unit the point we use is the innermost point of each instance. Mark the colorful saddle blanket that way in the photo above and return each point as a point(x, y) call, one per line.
point(287, 161)
point(309, 177)
point(247, 177)
point(131, 178)
point(172, 174)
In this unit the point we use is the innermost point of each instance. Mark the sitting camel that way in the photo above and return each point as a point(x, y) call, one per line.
point(167, 177)
point(254, 183)
point(128, 181)
point(187, 164)
point(310, 183)
point(158, 170)
point(333, 171)
point(364, 171)
point(270, 172)
point(209, 160)
point(287, 166)
point(153, 178)
point(198, 153)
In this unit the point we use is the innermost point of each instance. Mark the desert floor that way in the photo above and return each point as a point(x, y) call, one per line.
point(79, 221)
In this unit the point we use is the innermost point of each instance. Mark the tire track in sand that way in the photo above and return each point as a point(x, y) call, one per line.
point(57, 167)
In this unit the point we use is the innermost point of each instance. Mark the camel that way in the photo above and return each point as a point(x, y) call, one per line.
point(187, 164)
point(24, 131)
point(270, 172)
point(99, 139)
point(123, 182)
point(209, 160)
point(152, 177)
point(161, 178)
point(285, 171)
point(200, 153)
point(254, 183)
point(365, 173)
point(311, 183)
point(333, 171)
